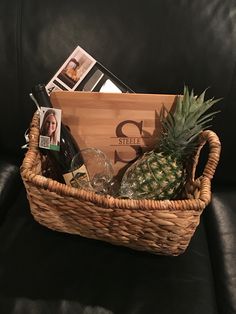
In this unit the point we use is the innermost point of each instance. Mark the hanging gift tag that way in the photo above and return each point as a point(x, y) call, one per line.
point(50, 128)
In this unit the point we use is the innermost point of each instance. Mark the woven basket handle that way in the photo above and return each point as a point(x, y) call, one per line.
point(34, 133)
point(214, 154)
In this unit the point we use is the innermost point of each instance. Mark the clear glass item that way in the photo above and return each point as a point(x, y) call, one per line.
point(97, 174)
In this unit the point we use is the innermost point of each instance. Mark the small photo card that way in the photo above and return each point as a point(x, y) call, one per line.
point(50, 128)
point(72, 72)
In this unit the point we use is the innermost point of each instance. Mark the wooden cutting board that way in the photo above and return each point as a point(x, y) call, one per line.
point(122, 125)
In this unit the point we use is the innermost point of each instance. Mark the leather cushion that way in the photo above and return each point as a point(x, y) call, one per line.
point(221, 231)
point(10, 183)
point(42, 269)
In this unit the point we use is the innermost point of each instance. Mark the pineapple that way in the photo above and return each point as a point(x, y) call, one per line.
point(161, 173)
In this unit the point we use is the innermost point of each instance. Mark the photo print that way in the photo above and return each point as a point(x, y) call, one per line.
point(50, 128)
point(72, 72)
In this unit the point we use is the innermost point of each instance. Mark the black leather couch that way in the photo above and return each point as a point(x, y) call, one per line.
point(155, 46)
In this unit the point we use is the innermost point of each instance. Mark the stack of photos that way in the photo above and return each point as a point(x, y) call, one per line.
point(81, 72)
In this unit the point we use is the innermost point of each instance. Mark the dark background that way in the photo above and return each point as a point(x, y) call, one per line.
point(152, 46)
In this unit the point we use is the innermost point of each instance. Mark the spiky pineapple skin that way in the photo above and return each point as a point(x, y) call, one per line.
point(160, 174)
point(154, 176)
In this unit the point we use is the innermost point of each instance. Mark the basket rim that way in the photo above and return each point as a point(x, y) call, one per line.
point(107, 201)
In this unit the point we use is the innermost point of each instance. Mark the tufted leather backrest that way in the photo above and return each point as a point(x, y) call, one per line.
point(154, 46)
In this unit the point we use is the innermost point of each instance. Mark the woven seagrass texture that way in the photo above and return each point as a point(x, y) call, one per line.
point(161, 227)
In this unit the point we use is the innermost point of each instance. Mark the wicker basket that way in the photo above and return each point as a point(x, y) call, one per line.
point(161, 227)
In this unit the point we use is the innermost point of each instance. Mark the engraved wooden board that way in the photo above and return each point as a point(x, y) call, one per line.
point(121, 125)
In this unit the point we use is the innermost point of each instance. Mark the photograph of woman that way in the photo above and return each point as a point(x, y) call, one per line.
point(50, 129)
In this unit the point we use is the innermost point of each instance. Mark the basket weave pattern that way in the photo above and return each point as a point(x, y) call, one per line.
point(161, 227)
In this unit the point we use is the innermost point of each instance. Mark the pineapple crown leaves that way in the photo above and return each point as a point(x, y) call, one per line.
point(180, 129)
